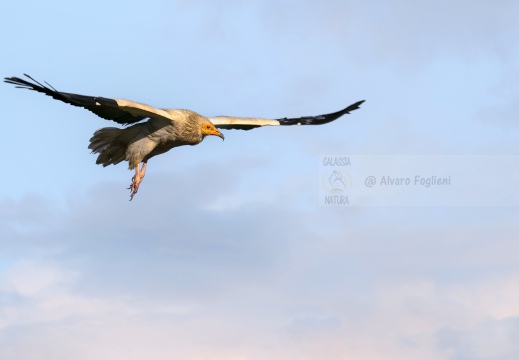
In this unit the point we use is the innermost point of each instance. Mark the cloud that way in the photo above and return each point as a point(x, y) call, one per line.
point(170, 275)
point(496, 339)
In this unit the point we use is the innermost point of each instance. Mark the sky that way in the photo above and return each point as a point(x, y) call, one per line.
point(226, 251)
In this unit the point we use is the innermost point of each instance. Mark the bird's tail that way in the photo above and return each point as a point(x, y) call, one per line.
point(105, 143)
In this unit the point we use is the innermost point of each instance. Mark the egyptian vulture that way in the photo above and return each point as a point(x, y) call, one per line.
point(164, 129)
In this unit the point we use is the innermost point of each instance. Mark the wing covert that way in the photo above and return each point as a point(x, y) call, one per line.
point(238, 123)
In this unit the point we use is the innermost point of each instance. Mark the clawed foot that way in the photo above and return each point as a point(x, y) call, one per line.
point(134, 186)
point(136, 180)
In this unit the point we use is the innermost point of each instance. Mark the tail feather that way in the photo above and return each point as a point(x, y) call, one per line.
point(104, 142)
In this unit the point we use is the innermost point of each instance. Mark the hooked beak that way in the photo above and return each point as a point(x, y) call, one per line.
point(221, 135)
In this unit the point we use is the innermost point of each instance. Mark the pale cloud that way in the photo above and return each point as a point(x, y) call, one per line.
point(278, 289)
point(34, 293)
point(29, 279)
point(398, 320)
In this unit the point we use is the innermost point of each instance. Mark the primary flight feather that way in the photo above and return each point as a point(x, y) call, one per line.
point(164, 129)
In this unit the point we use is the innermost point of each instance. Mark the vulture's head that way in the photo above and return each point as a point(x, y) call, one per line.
point(207, 128)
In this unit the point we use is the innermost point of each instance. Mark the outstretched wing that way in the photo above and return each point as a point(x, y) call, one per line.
point(121, 111)
point(229, 122)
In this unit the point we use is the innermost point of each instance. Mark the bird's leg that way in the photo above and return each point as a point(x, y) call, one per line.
point(143, 169)
point(137, 179)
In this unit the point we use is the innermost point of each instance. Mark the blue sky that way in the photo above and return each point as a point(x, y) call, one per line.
point(225, 252)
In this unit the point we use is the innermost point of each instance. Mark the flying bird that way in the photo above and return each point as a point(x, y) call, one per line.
point(164, 129)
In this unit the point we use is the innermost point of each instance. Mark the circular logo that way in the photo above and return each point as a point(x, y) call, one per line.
point(336, 181)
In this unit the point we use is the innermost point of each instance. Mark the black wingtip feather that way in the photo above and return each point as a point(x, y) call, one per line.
point(106, 108)
point(320, 119)
point(72, 99)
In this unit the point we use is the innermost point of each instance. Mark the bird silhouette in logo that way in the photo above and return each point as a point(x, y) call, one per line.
point(337, 181)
